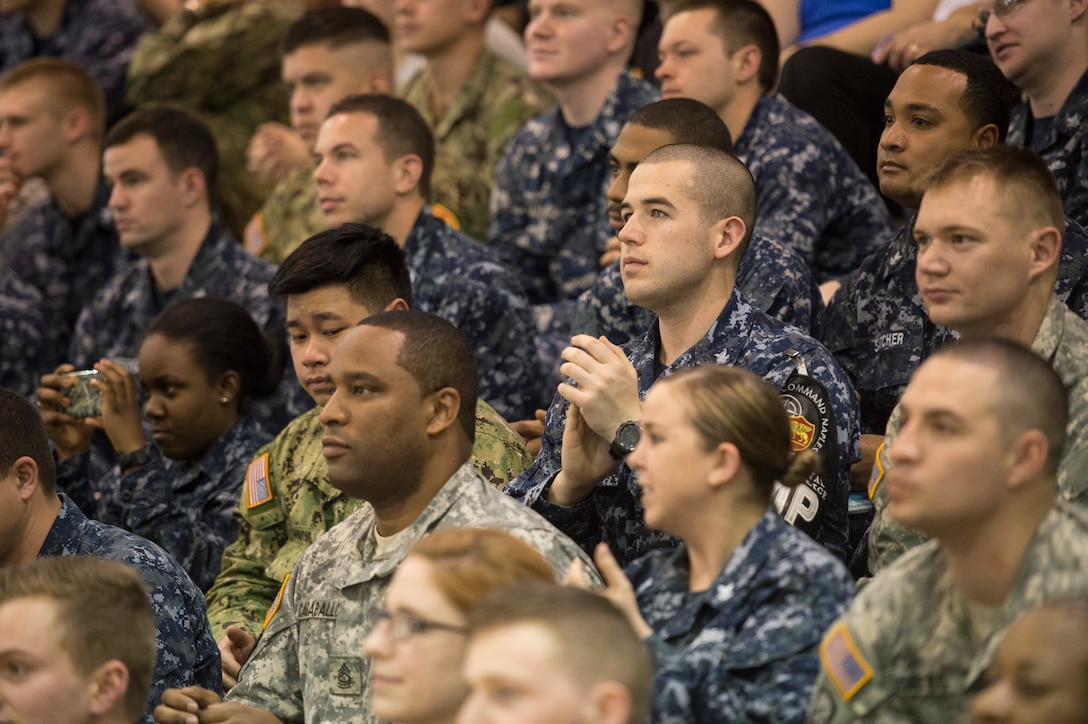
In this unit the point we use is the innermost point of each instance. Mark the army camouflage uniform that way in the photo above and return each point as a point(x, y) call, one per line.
point(223, 63)
point(1063, 145)
point(878, 328)
point(549, 214)
point(187, 653)
point(463, 282)
point(809, 192)
point(290, 216)
point(60, 264)
point(309, 664)
point(185, 507)
point(745, 648)
point(1062, 340)
point(97, 35)
point(904, 651)
point(302, 504)
point(742, 337)
point(772, 276)
point(472, 135)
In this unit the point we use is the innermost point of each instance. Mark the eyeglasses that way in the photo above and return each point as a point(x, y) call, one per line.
point(1002, 8)
point(403, 625)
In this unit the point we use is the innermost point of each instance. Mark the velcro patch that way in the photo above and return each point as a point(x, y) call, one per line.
point(346, 675)
point(275, 603)
point(446, 214)
point(258, 491)
point(878, 472)
point(845, 666)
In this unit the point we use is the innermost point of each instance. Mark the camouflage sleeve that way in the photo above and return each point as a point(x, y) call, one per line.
point(499, 452)
point(851, 686)
point(509, 231)
point(271, 677)
point(195, 535)
point(244, 590)
point(887, 541)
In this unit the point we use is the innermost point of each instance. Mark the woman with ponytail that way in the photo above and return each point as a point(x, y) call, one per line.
point(735, 613)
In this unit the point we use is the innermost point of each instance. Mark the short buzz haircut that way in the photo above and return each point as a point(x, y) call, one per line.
point(594, 639)
point(1027, 395)
point(354, 255)
point(437, 355)
point(335, 26)
point(182, 138)
point(721, 185)
point(70, 87)
point(22, 433)
point(739, 23)
point(988, 97)
point(1030, 194)
point(686, 120)
point(401, 130)
point(102, 614)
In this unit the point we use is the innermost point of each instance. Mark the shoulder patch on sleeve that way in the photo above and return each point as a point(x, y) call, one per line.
point(843, 663)
point(258, 491)
point(443, 212)
point(878, 472)
point(275, 603)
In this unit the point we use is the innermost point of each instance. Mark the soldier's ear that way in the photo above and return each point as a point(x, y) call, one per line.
point(77, 124)
point(407, 170)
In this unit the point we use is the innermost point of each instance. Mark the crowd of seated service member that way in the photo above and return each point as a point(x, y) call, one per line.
point(974, 466)
point(812, 195)
point(473, 100)
point(202, 362)
point(330, 283)
point(734, 615)
point(688, 210)
point(1001, 284)
point(549, 220)
point(399, 430)
point(376, 156)
point(41, 521)
point(328, 54)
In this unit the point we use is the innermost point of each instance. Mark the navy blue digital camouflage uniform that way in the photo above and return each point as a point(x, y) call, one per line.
point(1063, 145)
point(549, 214)
point(878, 328)
point(772, 276)
point(187, 507)
point(744, 649)
point(22, 356)
point(97, 35)
point(809, 192)
point(456, 278)
point(59, 264)
point(114, 323)
point(742, 336)
point(187, 653)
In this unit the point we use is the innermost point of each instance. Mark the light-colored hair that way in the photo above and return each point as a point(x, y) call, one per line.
point(594, 639)
point(103, 613)
point(730, 404)
point(1029, 193)
point(467, 563)
point(70, 87)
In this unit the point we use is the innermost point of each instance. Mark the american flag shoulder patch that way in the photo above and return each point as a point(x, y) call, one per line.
point(878, 472)
point(843, 662)
point(275, 603)
point(258, 491)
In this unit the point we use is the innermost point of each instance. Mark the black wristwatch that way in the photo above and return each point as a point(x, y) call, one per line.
point(627, 437)
point(135, 459)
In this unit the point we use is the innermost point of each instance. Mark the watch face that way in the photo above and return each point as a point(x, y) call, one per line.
point(628, 435)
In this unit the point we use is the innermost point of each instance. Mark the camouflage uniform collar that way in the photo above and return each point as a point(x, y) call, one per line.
point(67, 530)
point(1049, 336)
